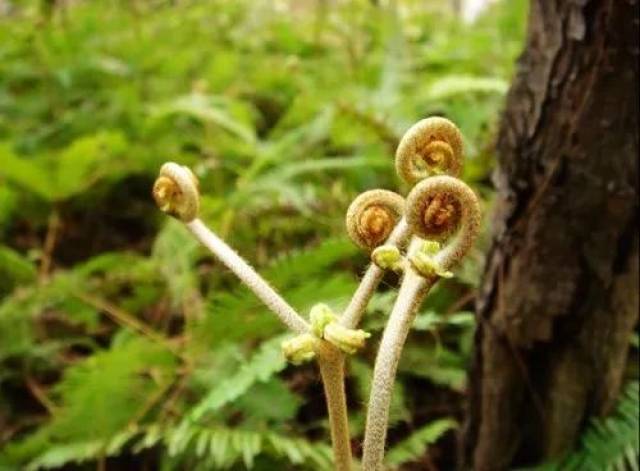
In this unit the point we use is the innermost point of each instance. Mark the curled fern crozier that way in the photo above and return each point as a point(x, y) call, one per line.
point(372, 216)
point(176, 192)
point(444, 209)
point(432, 146)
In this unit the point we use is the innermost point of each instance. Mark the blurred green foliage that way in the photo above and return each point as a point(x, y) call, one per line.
point(120, 338)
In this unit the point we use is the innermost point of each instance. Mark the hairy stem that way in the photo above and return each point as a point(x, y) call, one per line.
point(331, 362)
point(414, 287)
point(330, 359)
point(248, 276)
point(373, 276)
point(412, 291)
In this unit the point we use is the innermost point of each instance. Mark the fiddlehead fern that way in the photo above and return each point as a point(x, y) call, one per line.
point(372, 216)
point(439, 209)
point(432, 146)
point(445, 208)
point(425, 212)
point(176, 192)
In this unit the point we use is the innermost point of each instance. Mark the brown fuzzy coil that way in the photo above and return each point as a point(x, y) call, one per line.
point(438, 207)
point(372, 216)
point(432, 146)
point(440, 216)
point(176, 192)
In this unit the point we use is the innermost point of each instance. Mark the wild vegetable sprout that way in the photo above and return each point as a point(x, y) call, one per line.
point(423, 236)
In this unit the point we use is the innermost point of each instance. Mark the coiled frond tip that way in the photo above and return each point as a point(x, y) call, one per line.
point(372, 216)
point(176, 192)
point(444, 209)
point(432, 146)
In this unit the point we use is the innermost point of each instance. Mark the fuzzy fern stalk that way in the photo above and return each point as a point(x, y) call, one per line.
point(373, 218)
point(439, 221)
point(176, 192)
point(432, 146)
point(331, 363)
point(439, 209)
point(436, 207)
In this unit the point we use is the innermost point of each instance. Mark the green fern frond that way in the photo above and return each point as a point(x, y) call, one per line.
point(106, 274)
point(94, 402)
point(195, 447)
point(437, 363)
point(221, 447)
point(175, 252)
point(77, 452)
point(265, 363)
point(15, 269)
point(612, 443)
point(414, 446)
point(103, 393)
point(271, 402)
point(297, 267)
point(21, 308)
point(303, 277)
point(59, 176)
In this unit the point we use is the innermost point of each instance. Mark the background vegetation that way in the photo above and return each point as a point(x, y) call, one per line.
point(122, 343)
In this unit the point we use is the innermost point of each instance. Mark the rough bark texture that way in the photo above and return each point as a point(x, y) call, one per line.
point(560, 295)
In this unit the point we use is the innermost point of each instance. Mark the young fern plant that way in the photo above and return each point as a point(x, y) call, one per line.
point(176, 192)
point(433, 146)
point(438, 221)
point(436, 207)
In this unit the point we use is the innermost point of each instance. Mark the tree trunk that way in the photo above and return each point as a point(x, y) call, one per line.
point(559, 299)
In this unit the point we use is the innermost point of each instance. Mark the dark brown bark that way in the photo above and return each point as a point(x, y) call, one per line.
point(559, 298)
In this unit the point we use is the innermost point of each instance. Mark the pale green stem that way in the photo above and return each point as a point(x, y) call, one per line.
point(412, 291)
point(248, 276)
point(330, 359)
point(331, 363)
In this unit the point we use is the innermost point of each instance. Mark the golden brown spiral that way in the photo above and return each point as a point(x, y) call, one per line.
point(372, 216)
point(432, 146)
point(444, 208)
point(176, 192)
